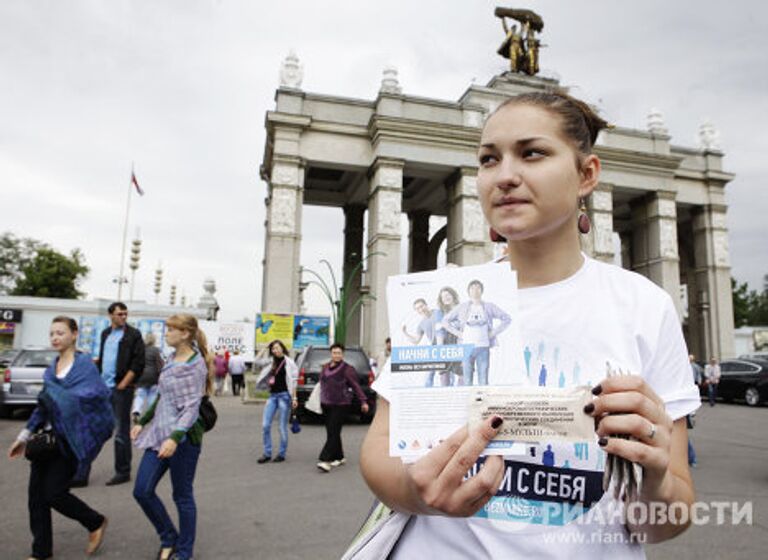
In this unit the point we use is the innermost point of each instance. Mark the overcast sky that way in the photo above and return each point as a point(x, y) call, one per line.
point(182, 87)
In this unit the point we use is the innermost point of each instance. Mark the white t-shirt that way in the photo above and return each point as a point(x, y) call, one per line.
point(551, 504)
point(475, 330)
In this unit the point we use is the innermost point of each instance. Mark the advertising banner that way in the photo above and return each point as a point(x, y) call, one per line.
point(271, 326)
point(229, 336)
point(309, 330)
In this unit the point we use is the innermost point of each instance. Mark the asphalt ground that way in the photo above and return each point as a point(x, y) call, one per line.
point(293, 511)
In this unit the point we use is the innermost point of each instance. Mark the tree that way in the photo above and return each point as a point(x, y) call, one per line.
point(15, 254)
point(749, 306)
point(52, 274)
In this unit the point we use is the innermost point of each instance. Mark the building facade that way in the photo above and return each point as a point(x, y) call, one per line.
point(659, 209)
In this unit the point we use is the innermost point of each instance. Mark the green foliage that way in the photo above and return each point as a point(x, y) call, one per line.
point(749, 306)
point(32, 268)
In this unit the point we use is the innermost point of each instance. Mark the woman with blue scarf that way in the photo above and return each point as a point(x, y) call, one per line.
point(74, 406)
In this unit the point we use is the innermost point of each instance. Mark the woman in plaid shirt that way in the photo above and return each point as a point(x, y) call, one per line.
point(171, 433)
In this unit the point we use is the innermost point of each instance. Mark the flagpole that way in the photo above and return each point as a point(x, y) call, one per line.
point(121, 279)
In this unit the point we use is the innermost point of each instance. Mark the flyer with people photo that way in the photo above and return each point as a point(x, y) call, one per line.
point(452, 330)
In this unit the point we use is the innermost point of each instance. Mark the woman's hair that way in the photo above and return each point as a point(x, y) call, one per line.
point(443, 307)
point(580, 124)
point(69, 321)
point(149, 339)
point(279, 343)
point(188, 323)
point(338, 345)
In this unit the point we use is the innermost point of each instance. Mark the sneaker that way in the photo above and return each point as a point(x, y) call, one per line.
point(338, 462)
point(279, 459)
point(324, 466)
point(264, 459)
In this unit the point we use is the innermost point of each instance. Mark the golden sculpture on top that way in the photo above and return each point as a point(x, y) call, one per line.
point(521, 48)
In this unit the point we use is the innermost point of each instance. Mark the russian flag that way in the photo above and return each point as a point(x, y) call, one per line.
point(136, 184)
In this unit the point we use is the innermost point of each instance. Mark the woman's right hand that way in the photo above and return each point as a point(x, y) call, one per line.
point(16, 449)
point(438, 478)
point(135, 431)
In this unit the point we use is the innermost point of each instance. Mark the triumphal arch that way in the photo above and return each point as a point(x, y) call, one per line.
point(659, 210)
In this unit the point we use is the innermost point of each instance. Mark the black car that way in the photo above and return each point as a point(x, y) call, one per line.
point(743, 378)
point(311, 362)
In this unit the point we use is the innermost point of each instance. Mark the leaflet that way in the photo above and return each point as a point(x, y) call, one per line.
point(452, 329)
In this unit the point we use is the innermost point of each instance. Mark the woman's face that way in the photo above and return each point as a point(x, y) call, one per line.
point(277, 351)
point(527, 180)
point(175, 337)
point(475, 291)
point(62, 337)
point(446, 298)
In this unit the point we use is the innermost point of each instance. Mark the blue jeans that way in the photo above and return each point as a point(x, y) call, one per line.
point(182, 465)
point(712, 393)
point(275, 402)
point(691, 453)
point(143, 398)
point(479, 356)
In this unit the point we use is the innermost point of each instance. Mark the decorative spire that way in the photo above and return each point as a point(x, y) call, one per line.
point(656, 123)
point(291, 71)
point(709, 137)
point(389, 81)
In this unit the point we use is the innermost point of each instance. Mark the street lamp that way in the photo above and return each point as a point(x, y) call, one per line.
point(135, 258)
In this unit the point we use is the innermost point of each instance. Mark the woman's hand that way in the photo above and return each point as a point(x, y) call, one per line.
point(135, 431)
point(364, 408)
point(167, 449)
point(438, 478)
point(16, 449)
point(626, 405)
point(295, 403)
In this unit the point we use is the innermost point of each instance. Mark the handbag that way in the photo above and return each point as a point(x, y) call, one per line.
point(295, 424)
point(379, 534)
point(208, 414)
point(41, 446)
point(313, 402)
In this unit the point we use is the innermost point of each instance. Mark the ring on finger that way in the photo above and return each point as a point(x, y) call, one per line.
point(652, 431)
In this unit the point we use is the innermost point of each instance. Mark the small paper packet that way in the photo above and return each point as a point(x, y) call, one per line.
point(534, 414)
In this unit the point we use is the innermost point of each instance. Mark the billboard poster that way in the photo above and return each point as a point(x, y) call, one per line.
point(310, 330)
point(271, 326)
point(229, 336)
point(89, 336)
point(156, 327)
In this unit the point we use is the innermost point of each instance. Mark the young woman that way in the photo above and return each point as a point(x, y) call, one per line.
point(75, 406)
point(336, 379)
point(220, 371)
point(279, 374)
point(171, 435)
point(447, 300)
point(535, 167)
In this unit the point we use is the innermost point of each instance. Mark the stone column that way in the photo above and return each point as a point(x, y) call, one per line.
point(654, 242)
point(713, 279)
point(353, 254)
point(280, 289)
point(384, 208)
point(418, 241)
point(468, 237)
point(600, 208)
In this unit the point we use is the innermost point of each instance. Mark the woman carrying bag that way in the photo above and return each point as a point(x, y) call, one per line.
point(279, 374)
point(171, 434)
point(75, 415)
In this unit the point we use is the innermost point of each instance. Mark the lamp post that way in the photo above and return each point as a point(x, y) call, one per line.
point(158, 282)
point(135, 259)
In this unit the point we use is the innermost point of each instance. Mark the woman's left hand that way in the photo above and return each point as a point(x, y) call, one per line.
point(626, 405)
point(167, 449)
point(295, 403)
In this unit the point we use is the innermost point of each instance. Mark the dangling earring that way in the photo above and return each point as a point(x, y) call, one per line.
point(583, 222)
point(496, 237)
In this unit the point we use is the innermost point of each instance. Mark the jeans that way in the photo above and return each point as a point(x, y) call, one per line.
point(479, 356)
point(49, 488)
point(276, 402)
point(712, 393)
point(121, 406)
point(691, 453)
point(182, 465)
point(143, 399)
point(445, 378)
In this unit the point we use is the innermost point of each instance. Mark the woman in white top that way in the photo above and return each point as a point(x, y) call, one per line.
point(535, 168)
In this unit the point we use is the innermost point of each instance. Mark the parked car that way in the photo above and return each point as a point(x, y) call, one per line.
point(743, 378)
point(6, 357)
point(310, 363)
point(23, 379)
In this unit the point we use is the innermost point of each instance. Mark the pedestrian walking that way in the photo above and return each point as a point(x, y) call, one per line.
point(220, 372)
point(336, 379)
point(171, 435)
point(712, 379)
point(698, 379)
point(146, 384)
point(121, 362)
point(237, 369)
point(64, 434)
point(278, 375)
